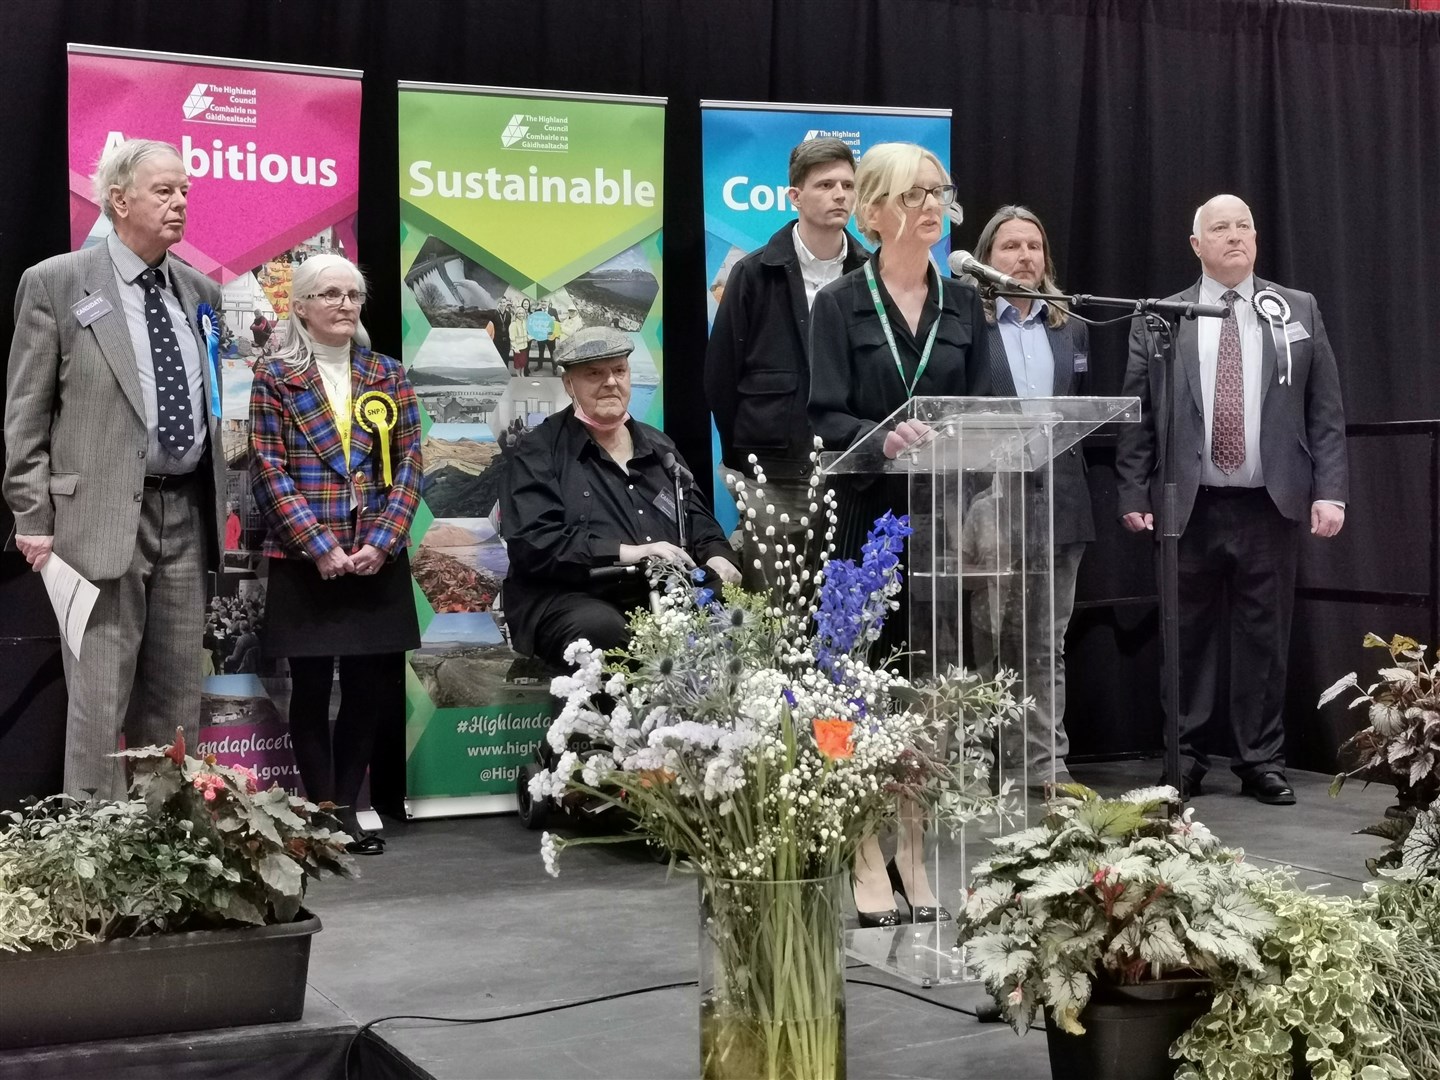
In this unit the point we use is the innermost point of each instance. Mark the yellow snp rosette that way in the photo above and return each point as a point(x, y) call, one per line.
point(377, 413)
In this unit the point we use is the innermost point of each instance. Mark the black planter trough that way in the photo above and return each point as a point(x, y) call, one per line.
point(1128, 1031)
point(156, 984)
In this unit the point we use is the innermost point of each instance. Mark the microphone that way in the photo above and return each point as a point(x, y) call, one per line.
point(671, 464)
point(962, 262)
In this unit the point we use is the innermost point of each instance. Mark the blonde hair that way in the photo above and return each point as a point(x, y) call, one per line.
point(886, 171)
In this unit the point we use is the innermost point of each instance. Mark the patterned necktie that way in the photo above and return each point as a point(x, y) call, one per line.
point(175, 420)
point(1227, 427)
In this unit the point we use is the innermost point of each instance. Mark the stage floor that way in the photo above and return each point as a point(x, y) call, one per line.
point(459, 919)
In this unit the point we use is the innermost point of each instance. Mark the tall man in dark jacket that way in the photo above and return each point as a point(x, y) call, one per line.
point(757, 372)
point(1036, 350)
point(1259, 454)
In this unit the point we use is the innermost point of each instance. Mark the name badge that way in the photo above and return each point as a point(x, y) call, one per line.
point(91, 308)
point(665, 503)
point(1082, 362)
point(1295, 332)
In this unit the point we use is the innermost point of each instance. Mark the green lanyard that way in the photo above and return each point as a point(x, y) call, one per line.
point(909, 384)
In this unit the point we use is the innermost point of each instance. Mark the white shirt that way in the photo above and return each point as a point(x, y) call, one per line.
point(1027, 347)
point(1250, 473)
point(128, 267)
point(817, 273)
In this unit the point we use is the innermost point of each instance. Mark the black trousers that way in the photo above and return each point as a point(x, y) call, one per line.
point(1237, 596)
point(578, 615)
point(372, 693)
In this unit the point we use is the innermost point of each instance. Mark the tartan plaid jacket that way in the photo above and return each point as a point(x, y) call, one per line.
point(298, 474)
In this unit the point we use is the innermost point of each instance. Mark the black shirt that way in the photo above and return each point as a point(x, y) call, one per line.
point(853, 381)
point(566, 507)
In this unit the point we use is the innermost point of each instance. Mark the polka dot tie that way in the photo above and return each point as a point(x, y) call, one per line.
point(175, 421)
point(1227, 426)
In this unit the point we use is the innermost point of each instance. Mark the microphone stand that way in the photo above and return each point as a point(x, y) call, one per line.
point(1163, 319)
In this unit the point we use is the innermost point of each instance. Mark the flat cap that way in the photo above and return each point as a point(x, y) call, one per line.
point(593, 343)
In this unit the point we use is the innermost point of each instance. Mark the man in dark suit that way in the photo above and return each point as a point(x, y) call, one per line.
point(1036, 350)
point(1259, 452)
point(113, 459)
point(757, 375)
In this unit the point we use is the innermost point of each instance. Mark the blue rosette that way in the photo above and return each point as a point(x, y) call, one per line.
point(209, 323)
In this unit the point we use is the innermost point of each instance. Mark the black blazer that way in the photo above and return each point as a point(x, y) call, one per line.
point(853, 381)
point(757, 376)
point(1070, 346)
point(1302, 425)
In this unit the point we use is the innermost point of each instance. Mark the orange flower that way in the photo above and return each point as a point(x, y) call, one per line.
point(833, 736)
point(655, 777)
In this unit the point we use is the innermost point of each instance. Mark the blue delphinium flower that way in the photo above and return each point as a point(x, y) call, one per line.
point(854, 600)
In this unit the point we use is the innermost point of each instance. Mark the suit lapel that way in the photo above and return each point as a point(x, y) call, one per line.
point(311, 407)
point(365, 374)
point(1062, 350)
point(1187, 346)
point(190, 304)
point(112, 331)
point(1267, 347)
point(1001, 379)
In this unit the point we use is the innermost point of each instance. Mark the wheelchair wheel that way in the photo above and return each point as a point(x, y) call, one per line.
point(533, 813)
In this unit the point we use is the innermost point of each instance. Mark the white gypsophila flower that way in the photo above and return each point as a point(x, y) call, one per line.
point(615, 685)
point(595, 770)
point(549, 854)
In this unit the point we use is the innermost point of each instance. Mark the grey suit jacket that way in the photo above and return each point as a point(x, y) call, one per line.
point(1302, 425)
point(74, 421)
point(1070, 346)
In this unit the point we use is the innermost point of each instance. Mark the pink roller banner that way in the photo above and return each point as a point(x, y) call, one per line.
point(273, 154)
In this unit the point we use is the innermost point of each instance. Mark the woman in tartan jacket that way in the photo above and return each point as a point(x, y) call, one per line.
point(338, 509)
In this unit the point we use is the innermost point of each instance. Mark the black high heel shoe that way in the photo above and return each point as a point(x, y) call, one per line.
point(923, 913)
point(878, 918)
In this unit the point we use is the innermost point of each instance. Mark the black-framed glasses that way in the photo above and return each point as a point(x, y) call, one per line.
point(334, 297)
point(915, 197)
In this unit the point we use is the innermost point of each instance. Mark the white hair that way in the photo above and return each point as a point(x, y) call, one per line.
point(1200, 210)
point(118, 165)
point(298, 346)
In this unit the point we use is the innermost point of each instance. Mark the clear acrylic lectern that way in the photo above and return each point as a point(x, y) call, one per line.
point(980, 594)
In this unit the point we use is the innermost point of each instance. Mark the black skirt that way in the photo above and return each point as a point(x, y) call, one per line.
point(353, 615)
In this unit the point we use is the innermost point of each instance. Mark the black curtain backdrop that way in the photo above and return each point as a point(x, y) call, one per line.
point(1112, 120)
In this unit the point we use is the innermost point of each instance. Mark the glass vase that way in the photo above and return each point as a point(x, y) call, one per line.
point(772, 979)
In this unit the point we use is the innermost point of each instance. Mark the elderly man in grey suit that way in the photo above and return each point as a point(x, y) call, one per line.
point(1259, 453)
point(1036, 350)
point(113, 459)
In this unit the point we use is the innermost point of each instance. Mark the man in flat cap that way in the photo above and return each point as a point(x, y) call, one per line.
point(590, 490)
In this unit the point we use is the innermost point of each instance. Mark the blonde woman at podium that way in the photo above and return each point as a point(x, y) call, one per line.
point(888, 331)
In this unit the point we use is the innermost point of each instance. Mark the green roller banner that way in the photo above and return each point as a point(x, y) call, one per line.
point(524, 216)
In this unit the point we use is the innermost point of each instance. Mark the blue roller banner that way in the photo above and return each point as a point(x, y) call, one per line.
point(746, 149)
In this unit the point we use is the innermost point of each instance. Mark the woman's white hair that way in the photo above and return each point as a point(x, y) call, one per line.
point(118, 165)
point(298, 346)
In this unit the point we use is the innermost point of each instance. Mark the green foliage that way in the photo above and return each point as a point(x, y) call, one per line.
point(1318, 985)
point(1111, 889)
point(197, 845)
point(1403, 710)
point(1408, 1001)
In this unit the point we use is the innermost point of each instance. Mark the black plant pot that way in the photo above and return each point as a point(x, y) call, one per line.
point(1128, 1031)
point(161, 983)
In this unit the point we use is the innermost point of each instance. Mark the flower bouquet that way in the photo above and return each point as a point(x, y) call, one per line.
point(752, 738)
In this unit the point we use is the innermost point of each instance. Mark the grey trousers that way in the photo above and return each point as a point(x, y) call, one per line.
point(139, 669)
point(1009, 627)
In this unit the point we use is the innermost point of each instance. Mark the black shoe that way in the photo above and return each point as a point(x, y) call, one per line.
point(368, 844)
point(917, 914)
point(878, 918)
point(1271, 788)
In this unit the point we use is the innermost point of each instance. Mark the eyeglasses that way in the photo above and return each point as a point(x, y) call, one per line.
point(915, 197)
point(334, 297)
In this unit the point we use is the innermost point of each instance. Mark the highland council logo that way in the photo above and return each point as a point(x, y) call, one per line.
point(515, 130)
point(197, 101)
